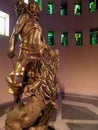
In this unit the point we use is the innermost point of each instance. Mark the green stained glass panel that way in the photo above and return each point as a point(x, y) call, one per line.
point(94, 37)
point(78, 38)
point(50, 8)
point(77, 9)
point(92, 5)
point(64, 38)
point(63, 9)
point(50, 37)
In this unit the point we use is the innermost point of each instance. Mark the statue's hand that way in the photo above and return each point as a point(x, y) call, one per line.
point(11, 54)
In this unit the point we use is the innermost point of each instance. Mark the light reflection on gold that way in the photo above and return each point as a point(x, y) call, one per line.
point(10, 91)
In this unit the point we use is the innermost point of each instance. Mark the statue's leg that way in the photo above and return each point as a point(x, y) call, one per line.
point(12, 122)
point(26, 116)
point(33, 110)
point(13, 125)
point(38, 128)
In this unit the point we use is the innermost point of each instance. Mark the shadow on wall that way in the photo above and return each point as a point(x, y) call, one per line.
point(60, 89)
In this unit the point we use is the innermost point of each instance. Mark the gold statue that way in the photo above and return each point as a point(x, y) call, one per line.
point(34, 73)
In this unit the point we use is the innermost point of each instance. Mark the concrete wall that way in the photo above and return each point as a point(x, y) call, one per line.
point(5, 63)
point(78, 71)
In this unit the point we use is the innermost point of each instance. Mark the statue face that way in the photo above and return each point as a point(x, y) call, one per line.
point(33, 7)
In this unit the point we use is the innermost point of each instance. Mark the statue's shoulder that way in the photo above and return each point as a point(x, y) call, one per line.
point(37, 25)
point(22, 18)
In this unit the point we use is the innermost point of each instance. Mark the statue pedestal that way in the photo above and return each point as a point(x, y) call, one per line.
point(2, 124)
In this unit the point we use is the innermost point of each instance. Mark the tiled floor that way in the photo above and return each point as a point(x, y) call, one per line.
point(73, 113)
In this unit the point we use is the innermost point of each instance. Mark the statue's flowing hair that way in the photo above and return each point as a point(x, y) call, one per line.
point(21, 7)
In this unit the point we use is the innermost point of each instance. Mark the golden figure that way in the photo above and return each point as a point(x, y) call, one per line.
point(34, 73)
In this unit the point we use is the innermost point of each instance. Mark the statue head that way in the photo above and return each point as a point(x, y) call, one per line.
point(34, 8)
point(20, 7)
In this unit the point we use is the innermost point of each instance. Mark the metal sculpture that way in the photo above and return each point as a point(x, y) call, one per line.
point(34, 73)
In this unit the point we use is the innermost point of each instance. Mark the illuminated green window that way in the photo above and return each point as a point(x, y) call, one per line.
point(78, 39)
point(63, 9)
point(40, 3)
point(93, 37)
point(92, 5)
point(64, 38)
point(50, 37)
point(4, 24)
point(77, 9)
point(37, 1)
point(50, 8)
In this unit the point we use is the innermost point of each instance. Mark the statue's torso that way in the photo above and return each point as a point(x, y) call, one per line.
point(31, 36)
